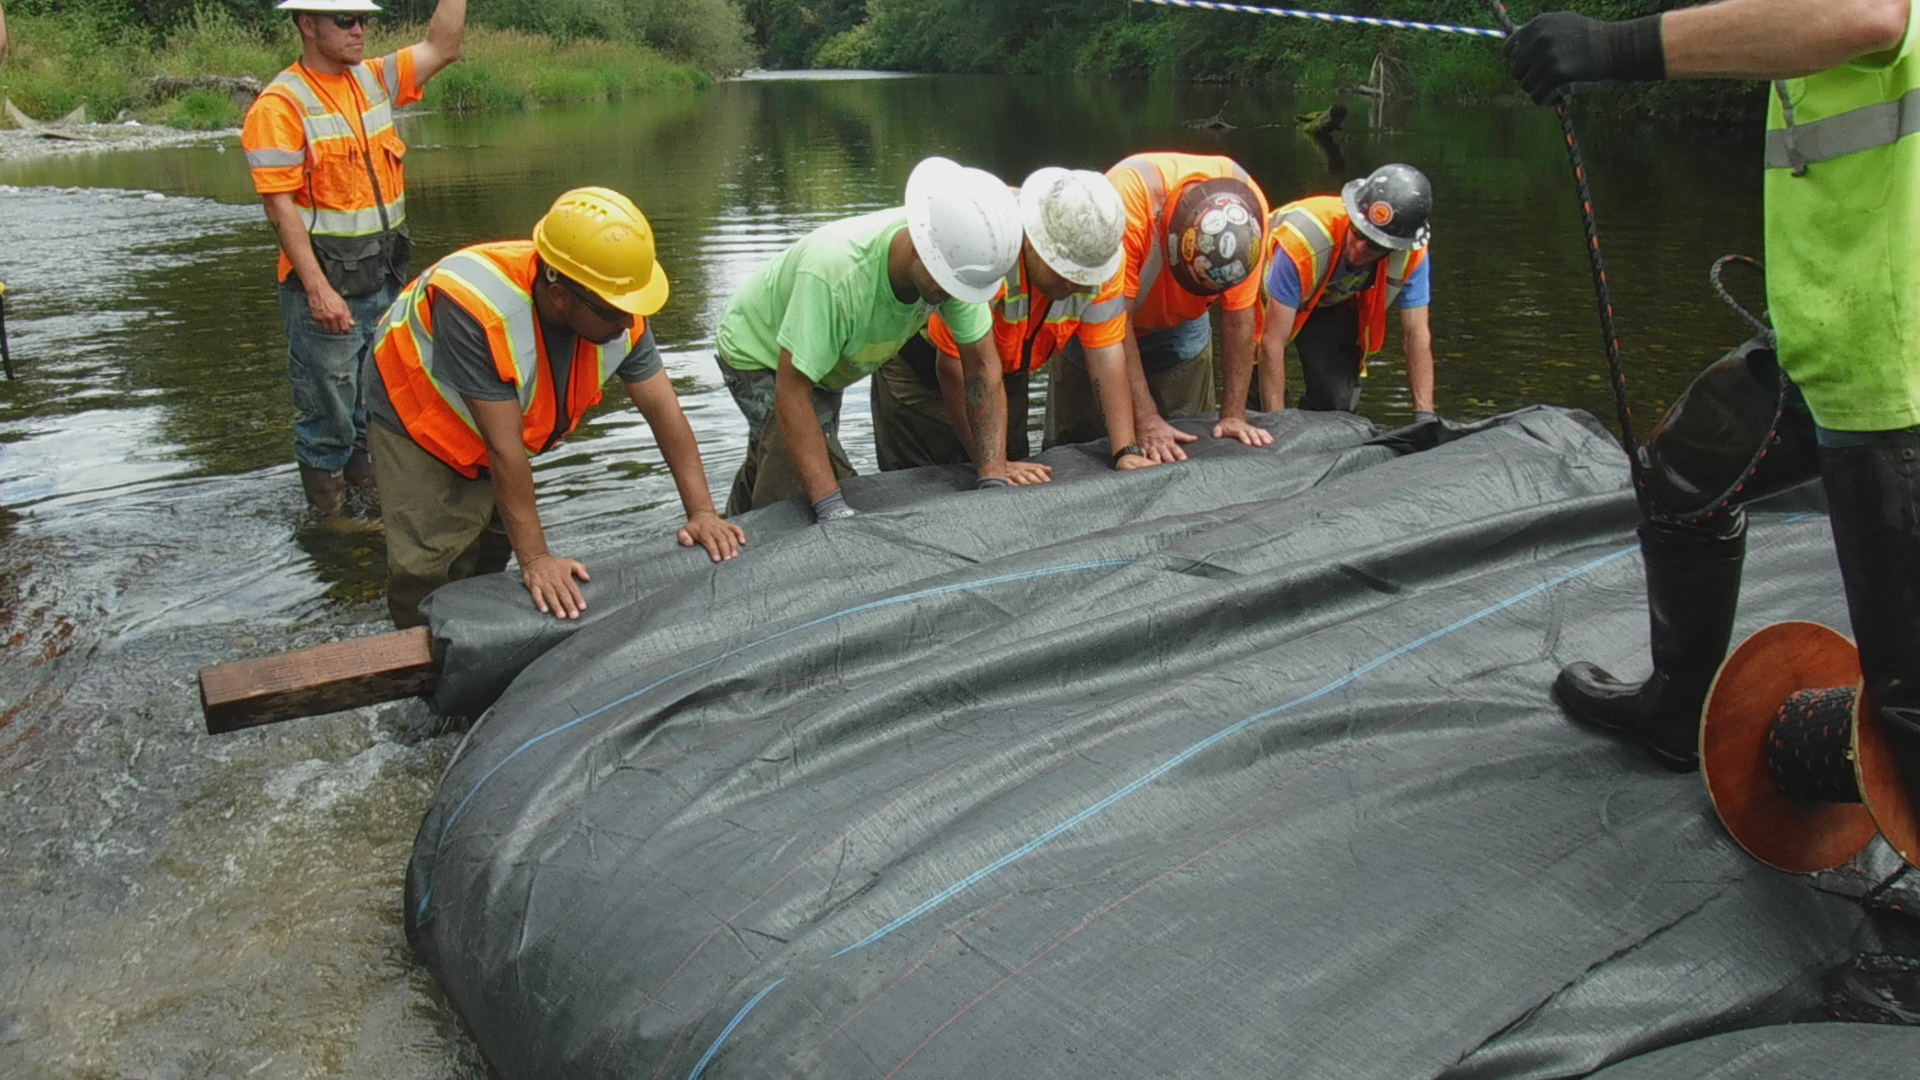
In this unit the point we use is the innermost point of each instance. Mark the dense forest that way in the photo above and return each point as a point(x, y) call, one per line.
point(1119, 38)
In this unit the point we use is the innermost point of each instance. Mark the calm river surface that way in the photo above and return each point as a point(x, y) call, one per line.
point(180, 906)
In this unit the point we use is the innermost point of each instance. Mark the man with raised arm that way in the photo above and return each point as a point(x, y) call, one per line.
point(839, 302)
point(1195, 237)
point(326, 161)
point(1062, 296)
point(493, 355)
point(1842, 189)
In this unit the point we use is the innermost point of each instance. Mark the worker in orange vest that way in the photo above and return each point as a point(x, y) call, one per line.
point(1195, 236)
point(1335, 264)
point(494, 354)
point(1063, 292)
point(326, 161)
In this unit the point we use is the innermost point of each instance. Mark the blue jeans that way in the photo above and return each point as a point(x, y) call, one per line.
point(325, 371)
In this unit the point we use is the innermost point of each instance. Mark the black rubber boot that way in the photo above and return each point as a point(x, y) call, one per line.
point(1693, 586)
point(1871, 496)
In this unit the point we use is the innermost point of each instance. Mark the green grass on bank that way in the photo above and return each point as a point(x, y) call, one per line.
point(57, 63)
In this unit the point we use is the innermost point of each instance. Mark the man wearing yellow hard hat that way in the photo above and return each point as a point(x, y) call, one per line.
point(492, 355)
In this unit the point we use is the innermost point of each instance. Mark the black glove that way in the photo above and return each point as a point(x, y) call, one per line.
point(832, 507)
point(1561, 47)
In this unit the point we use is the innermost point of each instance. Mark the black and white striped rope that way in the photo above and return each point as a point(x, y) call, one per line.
point(1323, 16)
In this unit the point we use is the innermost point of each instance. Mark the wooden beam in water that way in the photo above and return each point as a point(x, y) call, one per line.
point(323, 679)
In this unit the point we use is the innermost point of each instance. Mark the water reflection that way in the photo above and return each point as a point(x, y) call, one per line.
point(187, 907)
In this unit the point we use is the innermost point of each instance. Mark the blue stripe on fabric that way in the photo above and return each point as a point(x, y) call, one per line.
point(1161, 770)
point(943, 590)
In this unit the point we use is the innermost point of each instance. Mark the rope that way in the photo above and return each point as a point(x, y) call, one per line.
point(1616, 373)
point(1720, 290)
point(1322, 16)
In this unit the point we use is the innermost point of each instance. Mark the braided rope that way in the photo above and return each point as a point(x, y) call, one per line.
point(1616, 372)
point(1322, 16)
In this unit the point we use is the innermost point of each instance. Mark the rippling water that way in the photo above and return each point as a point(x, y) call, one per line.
point(183, 906)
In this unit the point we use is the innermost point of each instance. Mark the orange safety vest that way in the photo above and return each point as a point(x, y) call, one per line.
point(340, 196)
point(1155, 300)
point(1028, 328)
point(1312, 232)
point(494, 284)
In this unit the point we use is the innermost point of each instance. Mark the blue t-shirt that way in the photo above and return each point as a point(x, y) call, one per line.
point(1283, 283)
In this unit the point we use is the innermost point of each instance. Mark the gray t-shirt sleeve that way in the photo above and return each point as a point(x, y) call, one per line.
point(462, 358)
point(643, 362)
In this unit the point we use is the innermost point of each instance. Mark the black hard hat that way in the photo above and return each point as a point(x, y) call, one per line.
point(1390, 207)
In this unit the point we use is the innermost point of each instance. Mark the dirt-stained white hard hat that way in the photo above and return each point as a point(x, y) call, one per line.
point(1075, 221)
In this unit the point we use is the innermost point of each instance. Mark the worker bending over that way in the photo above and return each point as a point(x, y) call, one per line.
point(1064, 292)
point(1336, 264)
point(492, 355)
point(840, 302)
point(1195, 237)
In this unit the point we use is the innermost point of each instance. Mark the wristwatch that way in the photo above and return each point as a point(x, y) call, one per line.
point(1130, 448)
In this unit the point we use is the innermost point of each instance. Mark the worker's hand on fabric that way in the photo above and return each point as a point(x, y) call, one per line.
point(722, 539)
point(550, 579)
point(1238, 428)
point(1021, 473)
point(330, 313)
point(832, 507)
point(1560, 48)
point(1130, 462)
point(1161, 440)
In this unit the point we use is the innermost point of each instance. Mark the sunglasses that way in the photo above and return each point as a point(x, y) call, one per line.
point(594, 304)
point(348, 22)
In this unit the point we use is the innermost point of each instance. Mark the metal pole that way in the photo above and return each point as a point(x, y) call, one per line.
point(6, 358)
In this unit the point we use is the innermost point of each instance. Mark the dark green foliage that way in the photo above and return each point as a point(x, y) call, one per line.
point(1118, 37)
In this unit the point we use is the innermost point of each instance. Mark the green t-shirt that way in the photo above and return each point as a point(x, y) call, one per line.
point(826, 300)
point(1843, 241)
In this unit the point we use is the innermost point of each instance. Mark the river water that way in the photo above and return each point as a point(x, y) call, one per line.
point(178, 905)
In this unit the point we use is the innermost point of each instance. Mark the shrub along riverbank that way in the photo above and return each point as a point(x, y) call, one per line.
point(1120, 38)
point(58, 62)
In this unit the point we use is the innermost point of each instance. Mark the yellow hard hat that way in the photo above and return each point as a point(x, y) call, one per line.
point(598, 238)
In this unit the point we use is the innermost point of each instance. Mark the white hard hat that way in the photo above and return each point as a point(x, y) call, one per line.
point(965, 225)
point(1075, 220)
point(328, 7)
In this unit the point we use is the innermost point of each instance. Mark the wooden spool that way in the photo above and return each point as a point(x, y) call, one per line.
point(1836, 797)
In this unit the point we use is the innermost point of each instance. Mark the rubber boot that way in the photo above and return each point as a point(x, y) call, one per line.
point(326, 491)
point(1693, 587)
point(359, 469)
point(1871, 498)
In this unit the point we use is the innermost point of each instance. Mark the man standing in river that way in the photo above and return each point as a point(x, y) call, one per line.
point(326, 161)
point(1842, 215)
point(493, 355)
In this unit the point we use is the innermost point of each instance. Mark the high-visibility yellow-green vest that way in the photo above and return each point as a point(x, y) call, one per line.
point(1843, 237)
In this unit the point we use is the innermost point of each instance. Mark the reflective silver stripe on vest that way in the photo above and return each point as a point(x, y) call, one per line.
point(513, 306)
point(1156, 259)
point(323, 125)
point(1319, 241)
point(268, 159)
point(1866, 128)
point(1017, 305)
point(1081, 306)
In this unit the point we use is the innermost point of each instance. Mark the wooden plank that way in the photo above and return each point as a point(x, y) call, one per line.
point(323, 679)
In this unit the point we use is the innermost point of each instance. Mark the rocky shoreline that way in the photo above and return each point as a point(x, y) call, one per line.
point(17, 144)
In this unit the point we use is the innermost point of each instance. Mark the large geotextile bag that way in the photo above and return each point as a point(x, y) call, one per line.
point(1244, 767)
